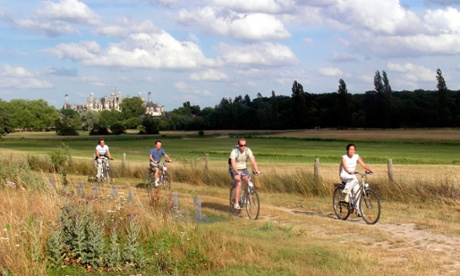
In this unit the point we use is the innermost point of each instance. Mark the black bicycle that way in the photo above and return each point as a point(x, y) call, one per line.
point(365, 200)
point(249, 199)
point(164, 178)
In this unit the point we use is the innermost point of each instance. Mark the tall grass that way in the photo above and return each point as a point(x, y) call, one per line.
point(55, 230)
point(442, 189)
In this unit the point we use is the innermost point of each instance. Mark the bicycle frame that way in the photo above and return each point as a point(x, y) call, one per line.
point(365, 200)
point(248, 198)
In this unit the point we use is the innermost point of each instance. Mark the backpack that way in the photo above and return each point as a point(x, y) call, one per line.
point(238, 154)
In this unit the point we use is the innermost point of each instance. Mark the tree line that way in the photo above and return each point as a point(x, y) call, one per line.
point(378, 108)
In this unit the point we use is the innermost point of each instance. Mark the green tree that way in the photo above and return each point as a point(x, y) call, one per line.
point(117, 128)
point(151, 125)
point(89, 118)
point(443, 108)
point(299, 105)
point(6, 125)
point(64, 126)
point(132, 108)
point(344, 110)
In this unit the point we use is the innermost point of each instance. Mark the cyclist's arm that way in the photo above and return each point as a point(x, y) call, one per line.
point(167, 158)
point(254, 164)
point(345, 168)
point(97, 154)
point(360, 161)
point(109, 155)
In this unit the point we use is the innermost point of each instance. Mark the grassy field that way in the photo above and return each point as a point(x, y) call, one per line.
point(296, 234)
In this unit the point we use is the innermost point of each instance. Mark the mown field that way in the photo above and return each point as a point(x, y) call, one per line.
point(296, 234)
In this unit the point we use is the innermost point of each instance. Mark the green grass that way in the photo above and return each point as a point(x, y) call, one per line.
point(271, 150)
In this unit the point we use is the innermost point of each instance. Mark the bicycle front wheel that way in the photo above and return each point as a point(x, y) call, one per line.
point(108, 176)
point(252, 204)
point(233, 201)
point(369, 206)
point(341, 207)
point(166, 181)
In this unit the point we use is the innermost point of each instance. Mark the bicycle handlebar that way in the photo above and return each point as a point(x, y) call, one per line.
point(364, 174)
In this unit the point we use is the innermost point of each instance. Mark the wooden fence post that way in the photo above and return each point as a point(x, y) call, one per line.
point(206, 157)
point(390, 169)
point(123, 162)
point(316, 171)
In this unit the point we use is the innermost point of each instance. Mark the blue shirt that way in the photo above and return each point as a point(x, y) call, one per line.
point(157, 154)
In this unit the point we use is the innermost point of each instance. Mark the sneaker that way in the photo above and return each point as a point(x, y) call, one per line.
point(358, 213)
point(237, 207)
point(157, 183)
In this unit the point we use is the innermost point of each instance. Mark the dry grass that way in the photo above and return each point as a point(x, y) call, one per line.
point(375, 134)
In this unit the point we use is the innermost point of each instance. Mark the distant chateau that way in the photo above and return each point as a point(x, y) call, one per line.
point(113, 102)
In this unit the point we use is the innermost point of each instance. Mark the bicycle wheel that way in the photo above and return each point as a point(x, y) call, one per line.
point(252, 204)
point(166, 181)
point(369, 206)
point(108, 176)
point(150, 179)
point(232, 201)
point(341, 207)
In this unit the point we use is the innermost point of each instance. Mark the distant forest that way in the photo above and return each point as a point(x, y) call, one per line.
point(379, 108)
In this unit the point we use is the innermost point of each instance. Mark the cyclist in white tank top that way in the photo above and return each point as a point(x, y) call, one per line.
point(347, 170)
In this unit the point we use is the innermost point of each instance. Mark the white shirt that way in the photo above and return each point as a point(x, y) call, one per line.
point(350, 162)
point(102, 150)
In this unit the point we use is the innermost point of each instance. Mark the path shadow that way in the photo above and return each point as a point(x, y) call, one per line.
point(215, 206)
point(142, 185)
point(351, 218)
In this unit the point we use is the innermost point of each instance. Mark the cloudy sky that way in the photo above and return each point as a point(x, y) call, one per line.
point(203, 50)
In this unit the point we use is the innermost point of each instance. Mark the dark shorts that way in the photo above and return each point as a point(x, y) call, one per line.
point(233, 173)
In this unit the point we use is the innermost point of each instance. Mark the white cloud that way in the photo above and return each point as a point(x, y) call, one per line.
point(85, 50)
point(55, 19)
point(330, 72)
point(124, 26)
point(412, 72)
point(209, 75)
point(245, 27)
point(139, 50)
point(72, 11)
point(20, 77)
point(381, 17)
point(266, 6)
point(262, 54)
point(443, 21)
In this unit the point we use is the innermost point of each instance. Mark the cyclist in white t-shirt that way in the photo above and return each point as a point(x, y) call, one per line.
point(102, 150)
point(238, 169)
point(347, 170)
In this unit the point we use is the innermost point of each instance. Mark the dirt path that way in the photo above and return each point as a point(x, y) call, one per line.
point(400, 242)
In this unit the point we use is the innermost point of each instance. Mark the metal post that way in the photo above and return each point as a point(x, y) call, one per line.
point(206, 157)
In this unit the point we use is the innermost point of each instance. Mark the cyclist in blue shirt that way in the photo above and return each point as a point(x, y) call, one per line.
point(155, 157)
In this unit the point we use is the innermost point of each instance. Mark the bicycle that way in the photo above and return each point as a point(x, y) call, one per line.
point(249, 199)
point(369, 203)
point(164, 177)
point(106, 172)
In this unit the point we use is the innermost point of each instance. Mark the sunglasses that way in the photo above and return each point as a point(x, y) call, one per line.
point(242, 145)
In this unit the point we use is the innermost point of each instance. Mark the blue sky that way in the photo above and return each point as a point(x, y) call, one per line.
point(202, 51)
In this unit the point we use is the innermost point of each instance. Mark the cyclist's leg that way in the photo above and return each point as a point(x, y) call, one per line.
point(350, 181)
point(357, 197)
point(237, 181)
point(99, 168)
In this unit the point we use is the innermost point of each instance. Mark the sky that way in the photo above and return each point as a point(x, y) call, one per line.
point(204, 50)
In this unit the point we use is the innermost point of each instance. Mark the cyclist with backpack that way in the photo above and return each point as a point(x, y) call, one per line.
point(237, 166)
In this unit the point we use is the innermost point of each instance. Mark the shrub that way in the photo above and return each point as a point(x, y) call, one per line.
point(117, 128)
